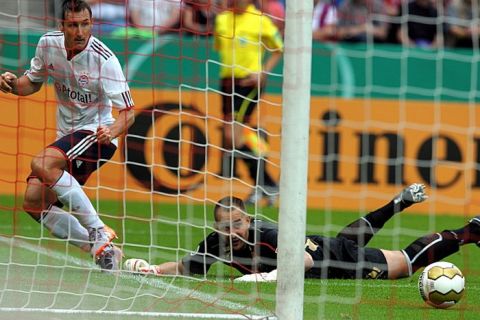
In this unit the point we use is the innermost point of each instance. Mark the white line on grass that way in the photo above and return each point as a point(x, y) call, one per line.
point(153, 282)
point(143, 314)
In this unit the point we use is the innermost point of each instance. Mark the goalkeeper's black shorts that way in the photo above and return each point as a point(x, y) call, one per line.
point(341, 258)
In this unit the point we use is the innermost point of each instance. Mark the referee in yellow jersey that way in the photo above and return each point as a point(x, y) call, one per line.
point(242, 34)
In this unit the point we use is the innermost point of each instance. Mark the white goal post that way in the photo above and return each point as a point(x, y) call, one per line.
point(294, 158)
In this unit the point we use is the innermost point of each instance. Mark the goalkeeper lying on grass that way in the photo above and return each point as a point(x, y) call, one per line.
point(250, 245)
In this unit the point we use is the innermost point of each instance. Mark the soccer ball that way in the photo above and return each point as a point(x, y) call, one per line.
point(441, 284)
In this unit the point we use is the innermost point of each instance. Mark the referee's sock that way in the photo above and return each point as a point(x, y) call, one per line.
point(431, 248)
point(256, 167)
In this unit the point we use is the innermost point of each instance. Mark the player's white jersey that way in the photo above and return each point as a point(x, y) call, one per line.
point(87, 86)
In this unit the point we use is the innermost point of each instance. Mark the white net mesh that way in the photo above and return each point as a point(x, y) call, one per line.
point(382, 116)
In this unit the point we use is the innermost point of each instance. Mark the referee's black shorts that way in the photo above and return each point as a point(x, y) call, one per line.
point(238, 102)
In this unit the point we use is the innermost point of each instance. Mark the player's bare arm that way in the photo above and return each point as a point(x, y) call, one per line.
point(10, 83)
point(125, 119)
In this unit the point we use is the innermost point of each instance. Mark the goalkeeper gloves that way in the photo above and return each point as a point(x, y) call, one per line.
point(258, 277)
point(140, 266)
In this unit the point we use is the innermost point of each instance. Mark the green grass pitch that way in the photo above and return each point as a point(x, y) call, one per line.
point(48, 275)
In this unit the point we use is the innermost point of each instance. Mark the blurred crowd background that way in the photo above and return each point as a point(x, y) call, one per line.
point(420, 23)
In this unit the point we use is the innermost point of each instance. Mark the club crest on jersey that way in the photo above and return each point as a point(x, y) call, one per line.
point(83, 81)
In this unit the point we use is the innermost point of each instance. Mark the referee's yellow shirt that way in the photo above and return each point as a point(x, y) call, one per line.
point(241, 39)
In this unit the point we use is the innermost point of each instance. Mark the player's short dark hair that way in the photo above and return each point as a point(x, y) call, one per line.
point(74, 6)
point(228, 203)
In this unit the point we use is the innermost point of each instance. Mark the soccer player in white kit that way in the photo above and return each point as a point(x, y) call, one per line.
point(88, 81)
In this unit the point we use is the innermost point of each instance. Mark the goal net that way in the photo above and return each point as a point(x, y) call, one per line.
point(158, 191)
point(382, 116)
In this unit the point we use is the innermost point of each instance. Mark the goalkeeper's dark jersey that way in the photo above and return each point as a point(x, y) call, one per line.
point(259, 254)
point(333, 257)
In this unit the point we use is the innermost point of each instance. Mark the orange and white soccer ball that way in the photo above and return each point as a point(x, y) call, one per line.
point(441, 284)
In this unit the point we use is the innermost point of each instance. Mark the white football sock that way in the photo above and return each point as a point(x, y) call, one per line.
point(65, 226)
point(70, 193)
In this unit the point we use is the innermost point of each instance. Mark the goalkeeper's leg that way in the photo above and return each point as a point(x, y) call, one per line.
point(424, 251)
point(362, 230)
point(435, 247)
point(420, 253)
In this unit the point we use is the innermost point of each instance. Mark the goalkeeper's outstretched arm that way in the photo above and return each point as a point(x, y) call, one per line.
point(272, 275)
point(142, 266)
point(169, 268)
